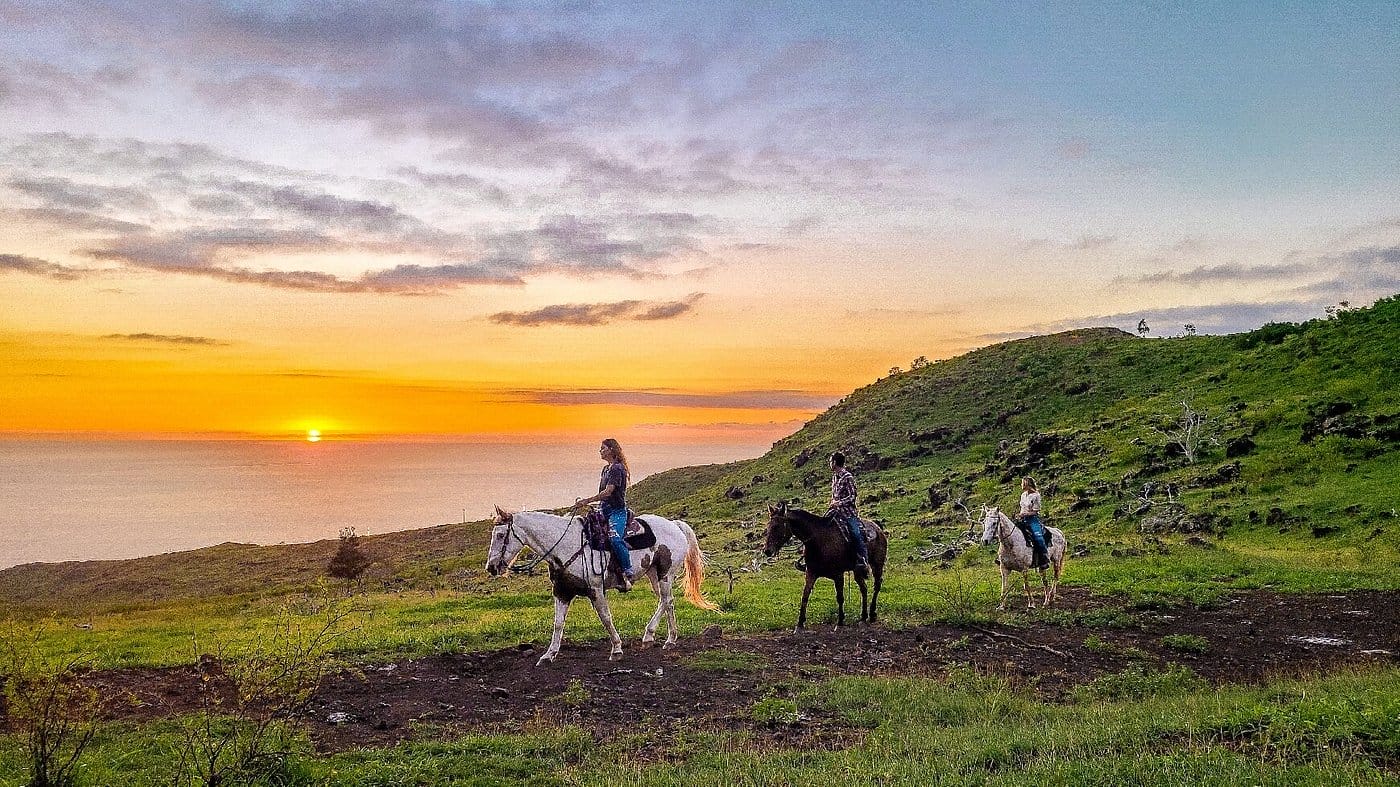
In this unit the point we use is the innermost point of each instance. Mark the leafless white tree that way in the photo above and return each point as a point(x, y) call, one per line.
point(1193, 430)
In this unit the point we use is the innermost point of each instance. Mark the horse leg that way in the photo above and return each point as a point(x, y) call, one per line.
point(649, 633)
point(1055, 583)
point(864, 606)
point(561, 611)
point(806, 594)
point(879, 572)
point(1026, 586)
point(1005, 587)
point(840, 582)
point(600, 605)
point(668, 593)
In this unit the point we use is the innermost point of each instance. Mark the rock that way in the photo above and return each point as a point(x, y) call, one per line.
point(500, 692)
point(1171, 518)
point(339, 717)
point(803, 457)
point(1042, 444)
point(734, 493)
point(936, 497)
point(1240, 446)
point(1320, 531)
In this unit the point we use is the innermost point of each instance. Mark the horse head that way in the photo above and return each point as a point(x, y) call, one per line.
point(505, 544)
point(779, 530)
point(990, 524)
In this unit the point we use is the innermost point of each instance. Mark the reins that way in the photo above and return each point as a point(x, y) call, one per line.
point(510, 528)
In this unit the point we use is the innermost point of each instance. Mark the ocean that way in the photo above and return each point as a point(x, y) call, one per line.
point(84, 500)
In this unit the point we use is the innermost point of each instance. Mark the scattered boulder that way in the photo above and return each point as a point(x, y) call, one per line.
point(936, 497)
point(734, 493)
point(1042, 444)
point(803, 457)
point(1172, 518)
point(1240, 446)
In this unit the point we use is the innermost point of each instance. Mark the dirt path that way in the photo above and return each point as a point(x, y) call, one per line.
point(1250, 637)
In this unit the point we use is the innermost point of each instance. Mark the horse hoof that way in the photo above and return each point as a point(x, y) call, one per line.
point(615, 656)
point(544, 661)
point(647, 643)
point(668, 645)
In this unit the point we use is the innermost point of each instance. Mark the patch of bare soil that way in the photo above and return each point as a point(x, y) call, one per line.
point(1250, 637)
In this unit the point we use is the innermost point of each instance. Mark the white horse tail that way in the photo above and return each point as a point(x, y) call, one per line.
point(695, 570)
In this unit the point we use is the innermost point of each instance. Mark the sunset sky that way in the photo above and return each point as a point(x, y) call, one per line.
point(672, 221)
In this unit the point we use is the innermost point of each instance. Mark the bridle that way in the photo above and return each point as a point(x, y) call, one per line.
point(510, 530)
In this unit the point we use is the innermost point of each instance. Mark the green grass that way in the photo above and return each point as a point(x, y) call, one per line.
point(967, 728)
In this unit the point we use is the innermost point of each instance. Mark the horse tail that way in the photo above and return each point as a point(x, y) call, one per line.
point(695, 570)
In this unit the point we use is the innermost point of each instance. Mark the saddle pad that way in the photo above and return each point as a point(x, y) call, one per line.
point(870, 528)
point(640, 537)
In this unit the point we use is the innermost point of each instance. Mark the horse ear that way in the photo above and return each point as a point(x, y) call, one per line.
point(502, 516)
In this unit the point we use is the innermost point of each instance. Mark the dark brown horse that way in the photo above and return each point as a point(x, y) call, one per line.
point(829, 554)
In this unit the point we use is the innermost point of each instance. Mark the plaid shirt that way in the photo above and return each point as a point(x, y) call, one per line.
point(843, 494)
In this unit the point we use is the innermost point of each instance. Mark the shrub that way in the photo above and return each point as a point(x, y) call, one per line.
point(47, 704)
point(1138, 681)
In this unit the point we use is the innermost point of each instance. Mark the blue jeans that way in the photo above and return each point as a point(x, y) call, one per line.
point(858, 536)
point(1037, 530)
point(618, 520)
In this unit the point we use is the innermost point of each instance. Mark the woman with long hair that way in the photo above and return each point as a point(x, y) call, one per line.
point(612, 495)
point(1030, 515)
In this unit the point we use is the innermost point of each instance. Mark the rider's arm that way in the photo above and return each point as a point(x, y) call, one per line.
point(607, 490)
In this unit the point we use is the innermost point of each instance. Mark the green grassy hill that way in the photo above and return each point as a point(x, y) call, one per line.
point(1305, 420)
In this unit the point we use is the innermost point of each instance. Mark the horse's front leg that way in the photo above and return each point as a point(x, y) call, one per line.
point(561, 611)
point(864, 598)
point(840, 582)
point(1005, 587)
point(1026, 586)
point(806, 594)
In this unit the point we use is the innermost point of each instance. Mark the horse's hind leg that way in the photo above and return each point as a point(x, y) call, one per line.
point(864, 605)
point(649, 633)
point(668, 594)
point(1026, 586)
point(561, 611)
point(879, 573)
point(600, 605)
point(840, 581)
point(1005, 588)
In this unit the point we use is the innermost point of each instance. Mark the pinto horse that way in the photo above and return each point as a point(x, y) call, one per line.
point(829, 554)
point(576, 570)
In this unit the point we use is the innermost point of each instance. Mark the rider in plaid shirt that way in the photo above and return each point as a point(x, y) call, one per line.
point(843, 505)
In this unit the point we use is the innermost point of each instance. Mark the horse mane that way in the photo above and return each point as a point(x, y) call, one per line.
point(807, 517)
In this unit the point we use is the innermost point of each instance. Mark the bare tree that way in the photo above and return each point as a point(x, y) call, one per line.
point(47, 703)
point(1142, 328)
point(918, 363)
point(1192, 431)
point(1190, 328)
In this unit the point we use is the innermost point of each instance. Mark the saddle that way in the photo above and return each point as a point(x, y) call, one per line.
point(868, 528)
point(638, 534)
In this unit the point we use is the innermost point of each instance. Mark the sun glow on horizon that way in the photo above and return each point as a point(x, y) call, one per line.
point(313, 435)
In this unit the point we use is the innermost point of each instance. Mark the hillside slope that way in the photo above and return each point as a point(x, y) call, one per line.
point(1306, 421)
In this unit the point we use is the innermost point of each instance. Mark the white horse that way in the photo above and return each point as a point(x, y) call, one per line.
point(1014, 555)
point(576, 570)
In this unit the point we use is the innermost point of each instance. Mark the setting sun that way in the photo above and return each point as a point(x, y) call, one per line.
point(313, 435)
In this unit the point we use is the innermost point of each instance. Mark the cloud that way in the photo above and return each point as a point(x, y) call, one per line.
point(460, 183)
point(1087, 242)
point(599, 313)
point(166, 339)
point(64, 193)
point(1230, 273)
point(37, 267)
point(1075, 149)
point(1358, 274)
point(729, 400)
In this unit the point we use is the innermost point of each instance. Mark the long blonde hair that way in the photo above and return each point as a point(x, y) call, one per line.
point(615, 449)
point(1027, 480)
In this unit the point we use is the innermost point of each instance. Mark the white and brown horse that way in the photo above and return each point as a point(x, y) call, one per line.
point(576, 570)
point(1014, 555)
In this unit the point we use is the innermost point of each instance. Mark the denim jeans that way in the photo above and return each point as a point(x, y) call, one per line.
point(618, 520)
point(858, 536)
point(1037, 530)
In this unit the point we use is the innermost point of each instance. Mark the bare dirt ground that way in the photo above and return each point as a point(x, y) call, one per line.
point(1250, 637)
